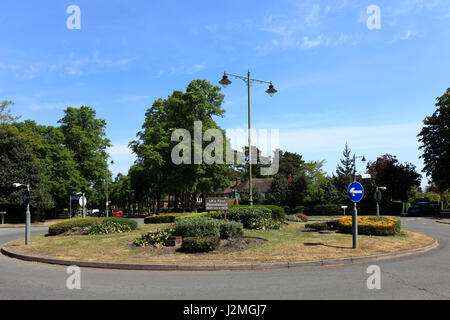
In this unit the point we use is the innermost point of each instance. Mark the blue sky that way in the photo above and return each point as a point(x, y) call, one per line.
point(338, 81)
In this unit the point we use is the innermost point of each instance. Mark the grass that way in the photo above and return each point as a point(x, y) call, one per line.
point(291, 243)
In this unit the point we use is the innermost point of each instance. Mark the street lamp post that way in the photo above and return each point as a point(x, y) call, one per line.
point(26, 199)
point(378, 198)
point(355, 209)
point(271, 91)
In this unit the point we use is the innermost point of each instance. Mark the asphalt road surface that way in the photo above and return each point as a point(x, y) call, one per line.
point(426, 276)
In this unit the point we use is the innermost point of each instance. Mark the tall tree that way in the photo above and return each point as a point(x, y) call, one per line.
point(398, 178)
point(18, 165)
point(60, 172)
point(84, 135)
point(435, 139)
point(344, 174)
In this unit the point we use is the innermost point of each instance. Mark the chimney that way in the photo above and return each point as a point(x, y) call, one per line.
point(290, 178)
point(238, 181)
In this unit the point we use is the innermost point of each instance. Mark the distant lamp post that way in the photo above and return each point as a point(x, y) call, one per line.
point(26, 201)
point(271, 91)
point(83, 202)
point(378, 196)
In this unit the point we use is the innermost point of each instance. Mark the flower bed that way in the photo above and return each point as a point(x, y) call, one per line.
point(372, 226)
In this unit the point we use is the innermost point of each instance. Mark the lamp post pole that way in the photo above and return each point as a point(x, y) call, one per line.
point(28, 220)
point(271, 91)
point(355, 209)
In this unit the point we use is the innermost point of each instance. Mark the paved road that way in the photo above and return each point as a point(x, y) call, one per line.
point(418, 277)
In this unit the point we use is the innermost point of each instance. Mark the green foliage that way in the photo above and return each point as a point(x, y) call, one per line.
point(278, 213)
point(293, 218)
point(131, 223)
point(162, 218)
point(324, 210)
point(323, 225)
point(155, 239)
point(197, 227)
point(70, 224)
point(107, 227)
point(203, 244)
point(245, 215)
point(5, 113)
point(231, 229)
point(435, 143)
point(18, 164)
point(301, 216)
point(193, 215)
point(265, 224)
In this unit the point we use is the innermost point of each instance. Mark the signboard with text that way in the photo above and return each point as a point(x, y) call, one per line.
point(216, 204)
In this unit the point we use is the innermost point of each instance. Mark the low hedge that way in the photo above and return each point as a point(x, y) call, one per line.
point(70, 224)
point(94, 225)
point(192, 215)
point(371, 226)
point(278, 213)
point(247, 216)
point(208, 227)
point(323, 225)
point(161, 218)
point(195, 244)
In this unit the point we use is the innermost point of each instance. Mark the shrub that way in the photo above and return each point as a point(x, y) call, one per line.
point(301, 216)
point(161, 218)
point(278, 213)
point(231, 229)
point(198, 227)
point(293, 218)
point(323, 225)
point(108, 227)
point(71, 224)
point(265, 224)
point(245, 215)
point(155, 239)
point(204, 244)
point(192, 215)
point(324, 210)
point(123, 221)
point(372, 226)
point(298, 209)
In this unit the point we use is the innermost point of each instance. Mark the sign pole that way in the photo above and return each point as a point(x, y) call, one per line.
point(70, 207)
point(28, 219)
point(355, 227)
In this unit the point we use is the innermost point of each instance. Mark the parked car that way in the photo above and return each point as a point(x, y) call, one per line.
point(413, 211)
point(423, 209)
point(117, 213)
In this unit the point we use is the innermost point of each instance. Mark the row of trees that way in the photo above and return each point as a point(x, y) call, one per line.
point(56, 161)
point(60, 161)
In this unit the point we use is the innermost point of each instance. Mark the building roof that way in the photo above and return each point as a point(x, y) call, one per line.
point(263, 185)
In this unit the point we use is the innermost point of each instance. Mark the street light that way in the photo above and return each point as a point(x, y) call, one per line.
point(83, 197)
point(378, 196)
point(355, 209)
point(271, 91)
point(26, 199)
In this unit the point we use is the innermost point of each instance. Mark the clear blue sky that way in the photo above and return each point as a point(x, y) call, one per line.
point(338, 81)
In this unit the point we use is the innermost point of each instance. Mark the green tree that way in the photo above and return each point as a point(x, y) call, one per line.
point(60, 172)
point(435, 139)
point(84, 135)
point(344, 175)
point(5, 112)
point(18, 165)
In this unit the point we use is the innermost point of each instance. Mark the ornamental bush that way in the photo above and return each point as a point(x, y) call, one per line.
point(123, 221)
point(198, 227)
point(161, 218)
point(247, 216)
point(155, 239)
point(107, 227)
point(204, 244)
point(231, 229)
point(372, 226)
point(324, 210)
point(293, 218)
point(265, 224)
point(278, 213)
point(323, 225)
point(301, 216)
point(71, 224)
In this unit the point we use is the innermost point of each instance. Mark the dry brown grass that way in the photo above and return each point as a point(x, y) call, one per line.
point(289, 244)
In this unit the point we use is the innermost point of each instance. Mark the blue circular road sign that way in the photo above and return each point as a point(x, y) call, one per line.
point(355, 191)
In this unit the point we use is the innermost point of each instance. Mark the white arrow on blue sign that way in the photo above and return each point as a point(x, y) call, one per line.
point(355, 192)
